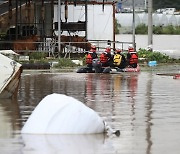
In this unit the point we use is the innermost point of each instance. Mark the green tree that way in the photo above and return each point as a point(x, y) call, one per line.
point(157, 4)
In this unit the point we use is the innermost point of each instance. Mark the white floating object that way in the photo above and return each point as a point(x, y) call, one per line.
point(9, 76)
point(61, 114)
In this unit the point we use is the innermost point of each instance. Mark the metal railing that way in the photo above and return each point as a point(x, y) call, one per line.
point(51, 46)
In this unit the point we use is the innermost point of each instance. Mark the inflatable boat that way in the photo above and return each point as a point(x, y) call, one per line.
point(97, 68)
point(177, 76)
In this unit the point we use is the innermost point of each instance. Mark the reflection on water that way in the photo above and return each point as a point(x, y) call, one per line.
point(10, 124)
point(144, 106)
point(9, 117)
point(67, 144)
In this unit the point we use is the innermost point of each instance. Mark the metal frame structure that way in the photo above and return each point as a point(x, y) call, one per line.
point(37, 16)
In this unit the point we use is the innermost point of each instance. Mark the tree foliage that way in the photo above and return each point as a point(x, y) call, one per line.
point(166, 4)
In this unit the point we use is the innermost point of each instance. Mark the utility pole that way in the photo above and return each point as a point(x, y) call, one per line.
point(150, 24)
point(59, 27)
point(133, 25)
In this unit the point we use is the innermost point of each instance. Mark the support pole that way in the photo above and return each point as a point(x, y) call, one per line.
point(43, 19)
point(59, 27)
point(52, 16)
point(86, 19)
point(150, 24)
point(10, 18)
point(114, 38)
point(16, 20)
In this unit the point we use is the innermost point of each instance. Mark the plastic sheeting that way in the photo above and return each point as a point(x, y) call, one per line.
point(61, 114)
point(125, 19)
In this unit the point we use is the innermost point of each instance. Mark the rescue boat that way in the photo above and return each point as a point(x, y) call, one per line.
point(129, 69)
point(10, 76)
point(177, 76)
point(97, 68)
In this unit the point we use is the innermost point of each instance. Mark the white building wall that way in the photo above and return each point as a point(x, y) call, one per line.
point(100, 23)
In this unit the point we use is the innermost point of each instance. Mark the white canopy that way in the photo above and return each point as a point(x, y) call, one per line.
point(143, 18)
point(126, 19)
point(172, 20)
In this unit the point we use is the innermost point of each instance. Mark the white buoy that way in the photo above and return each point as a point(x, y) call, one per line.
point(61, 114)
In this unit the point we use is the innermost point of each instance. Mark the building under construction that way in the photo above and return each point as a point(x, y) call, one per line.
point(22, 19)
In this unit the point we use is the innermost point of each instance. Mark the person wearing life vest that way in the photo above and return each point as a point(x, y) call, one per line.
point(132, 57)
point(106, 57)
point(91, 55)
point(119, 59)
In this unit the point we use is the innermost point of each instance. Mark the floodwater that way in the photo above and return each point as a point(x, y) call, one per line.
point(144, 106)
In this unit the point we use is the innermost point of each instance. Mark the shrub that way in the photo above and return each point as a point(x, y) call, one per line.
point(168, 30)
point(65, 62)
point(117, 27)
point(141, 29)
point(151, 56)
point(37, 55)
point(157, 30)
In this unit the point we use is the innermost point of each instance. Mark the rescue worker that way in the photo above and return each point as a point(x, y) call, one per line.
point(91, 55)
point(132, 57)
point(119, 59)
point(106, 57)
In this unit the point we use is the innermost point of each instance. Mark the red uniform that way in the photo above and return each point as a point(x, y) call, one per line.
point(132, 57)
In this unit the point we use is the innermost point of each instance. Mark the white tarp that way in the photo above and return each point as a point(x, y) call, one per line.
point(100, 23)
point(61, 114)
point(126, 19)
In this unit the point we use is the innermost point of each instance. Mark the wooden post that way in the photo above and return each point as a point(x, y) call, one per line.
point(52, 16)
point(86, 20)
point(59, 26)
point(16, 20)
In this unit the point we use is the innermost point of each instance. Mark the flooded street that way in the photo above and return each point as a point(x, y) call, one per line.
point(144, 106)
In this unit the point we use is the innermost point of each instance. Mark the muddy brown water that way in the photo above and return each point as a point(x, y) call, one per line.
point(144, 106)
